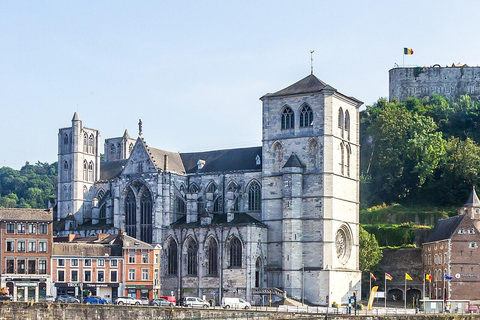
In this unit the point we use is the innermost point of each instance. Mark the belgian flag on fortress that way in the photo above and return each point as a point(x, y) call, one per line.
point(407, 51)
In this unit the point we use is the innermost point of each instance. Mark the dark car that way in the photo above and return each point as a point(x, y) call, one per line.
point(67, 299)
point(161, 302)
point(5, 298)
point(94, 300)
point(181, 302)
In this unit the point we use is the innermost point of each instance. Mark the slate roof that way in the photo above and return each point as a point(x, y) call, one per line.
point(473, 200)
point(293, 162)
point(241, 159)
point(174, 161)
point(111, 169)
point(445, 228)
point(240, 218)
point(22, 214)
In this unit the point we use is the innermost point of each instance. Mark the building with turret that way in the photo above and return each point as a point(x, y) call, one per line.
point(277, 219)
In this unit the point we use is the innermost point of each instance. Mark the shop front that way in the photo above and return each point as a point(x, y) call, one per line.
point(26, 289)
point(107, 291)
point(139, 291)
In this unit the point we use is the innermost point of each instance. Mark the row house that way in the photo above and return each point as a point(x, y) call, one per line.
point(25, 256)
point(451, 255)
point(105, 265)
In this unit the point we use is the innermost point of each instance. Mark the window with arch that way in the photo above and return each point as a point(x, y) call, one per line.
point(212, 187)
point(347, 162)
point(347, 124)
point(65, 192)
point(288, 119)
point(85, 142)
point(65, 143)
point(235, 252)
point(103, 211)
point(119, 148)
point(340, 118)
point(192, 250)
point(172, 257)
point(85, 170)
point(90, 171)
point(91, 146)
point(212, 255)
point(306, 117)
point(130, 148)
point(342, 159)
point(112, 148)
point(146, 216)
point(278, 154)
point(65, 165)
point(254, 196)
point(130, 214)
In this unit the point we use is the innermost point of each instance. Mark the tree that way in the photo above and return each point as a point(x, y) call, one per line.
point(370, 253)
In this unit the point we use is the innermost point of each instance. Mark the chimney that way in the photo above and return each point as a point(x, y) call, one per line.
point(165, 163)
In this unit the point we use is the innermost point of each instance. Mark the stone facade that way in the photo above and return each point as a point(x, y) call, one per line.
point(422, 82)
point(241, 222)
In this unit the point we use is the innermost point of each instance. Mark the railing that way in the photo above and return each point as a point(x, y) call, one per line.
point(267, 291)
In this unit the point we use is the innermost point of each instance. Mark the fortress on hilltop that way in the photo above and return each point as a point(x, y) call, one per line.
point(449, 81)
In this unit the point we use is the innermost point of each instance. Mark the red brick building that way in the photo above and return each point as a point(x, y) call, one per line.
point(452, 251)
point(26, 248)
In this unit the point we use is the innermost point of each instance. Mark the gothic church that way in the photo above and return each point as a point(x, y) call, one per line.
point(278, 219)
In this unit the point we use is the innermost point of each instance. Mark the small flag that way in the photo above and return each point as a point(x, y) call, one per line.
point(407, 51)
point(428, 277)
point(407, 277)
point(388, 277)
point(373, 277)
point(448, 277)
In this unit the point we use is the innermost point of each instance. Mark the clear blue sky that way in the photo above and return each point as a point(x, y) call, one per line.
point(194, 71)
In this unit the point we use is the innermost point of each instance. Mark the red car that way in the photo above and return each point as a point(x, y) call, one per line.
point(473, 309)
point(169, 299)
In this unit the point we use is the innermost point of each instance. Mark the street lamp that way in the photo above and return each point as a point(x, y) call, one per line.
point(81, 278)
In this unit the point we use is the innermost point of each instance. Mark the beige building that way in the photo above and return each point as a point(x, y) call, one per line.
point(277, 219)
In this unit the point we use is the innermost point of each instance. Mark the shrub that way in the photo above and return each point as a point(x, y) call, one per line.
point(334, 304)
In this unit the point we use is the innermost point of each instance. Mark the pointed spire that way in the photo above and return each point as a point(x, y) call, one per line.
point(126, 135)
point(75, 117)
point(139, 127)
point(473, 200)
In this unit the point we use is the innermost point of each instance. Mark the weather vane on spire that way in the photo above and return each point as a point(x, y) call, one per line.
point(139, 127)
point(311, 61)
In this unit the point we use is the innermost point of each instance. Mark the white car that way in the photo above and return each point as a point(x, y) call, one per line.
point(235, 303)
point(196, 302)
point(128, 300)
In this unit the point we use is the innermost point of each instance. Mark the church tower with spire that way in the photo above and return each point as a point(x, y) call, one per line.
point(311, 191)
point(78, 169)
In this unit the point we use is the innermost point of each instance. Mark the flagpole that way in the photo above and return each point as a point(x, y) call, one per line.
point(370, 276)
point(443, 293)
point(424, 277)
point(405, 294)
point(385, 294)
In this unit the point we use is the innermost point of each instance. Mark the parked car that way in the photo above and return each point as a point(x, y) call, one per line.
point(169, 299)
point(235, 303)
point(128, 300)
point(49, 299)
point(161, 302)
point(5, 298)
point(473, 309)
point(94, 300)
point(144, 301)
point(67, 299)
point(196, 302)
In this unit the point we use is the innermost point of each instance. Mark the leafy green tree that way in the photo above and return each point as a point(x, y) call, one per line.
point(370, 253)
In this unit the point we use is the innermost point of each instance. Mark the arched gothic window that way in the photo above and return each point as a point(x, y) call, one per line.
point(347, 124)
point(85, 170)
point(235, 252)
point(91, 146)
point(306, 117)
point(172, 257)
point(347, 162)
point(146, 217)
point(112, 148)
point(130, 214)
point(342, 159)
point(340, 118)
point(65, 143)
point(192, 250)
point(90, 171)
point(65, 165)
point(130, 148)
point(288, 119)
point(212, 255)
point(85, 142)
point(254, 197)
point(212, 187)
point(119, 149)
point(103, 211)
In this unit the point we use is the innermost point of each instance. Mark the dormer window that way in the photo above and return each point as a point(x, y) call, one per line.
point(461, 231)
point(200, 164)
point(258, 160)
point(471, 231)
